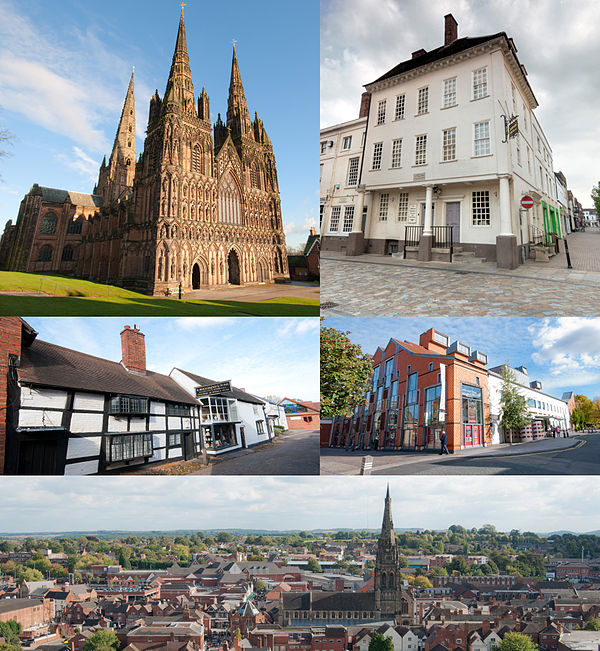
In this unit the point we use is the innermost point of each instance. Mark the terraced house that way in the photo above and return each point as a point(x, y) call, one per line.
point(446, 145)
point(67, 412)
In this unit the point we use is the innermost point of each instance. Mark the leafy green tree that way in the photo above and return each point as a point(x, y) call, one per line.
point(102, 641)
point(512, 403)
point(381, 643)
point(516, 642)
point(260, 585)
point(596, 197)
point(10, 631)
point(422, 582)
point(345, 373)
point(592, 624)
point(313, 565)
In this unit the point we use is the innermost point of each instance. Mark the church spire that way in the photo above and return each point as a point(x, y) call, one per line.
point(116, 178)
point(387, 526)
point(238, 117)
point(180, 90)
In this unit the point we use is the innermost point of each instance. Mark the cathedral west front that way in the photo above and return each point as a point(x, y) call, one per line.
point(199, 208)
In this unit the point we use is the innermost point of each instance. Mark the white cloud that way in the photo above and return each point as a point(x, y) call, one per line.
point(570, 346)
point(298, 326)
point(189, 323)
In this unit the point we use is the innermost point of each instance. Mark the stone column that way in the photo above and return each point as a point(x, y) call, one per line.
point(426, 240)
point(507, 254)
point(356, 239)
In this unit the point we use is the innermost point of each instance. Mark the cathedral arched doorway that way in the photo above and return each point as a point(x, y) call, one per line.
point(199, 275)
point(233, 268)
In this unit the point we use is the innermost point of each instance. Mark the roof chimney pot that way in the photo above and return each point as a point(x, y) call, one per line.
point(450, 29)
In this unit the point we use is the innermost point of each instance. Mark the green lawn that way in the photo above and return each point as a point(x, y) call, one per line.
point(83, 298)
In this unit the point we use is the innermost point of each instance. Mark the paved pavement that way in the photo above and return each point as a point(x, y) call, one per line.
point(294, 453)
point(584, 249)
point(256, 292)
point(375, 285)
point(578, 455)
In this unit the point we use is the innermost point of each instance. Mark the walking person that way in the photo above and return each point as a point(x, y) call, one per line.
point(444, 443)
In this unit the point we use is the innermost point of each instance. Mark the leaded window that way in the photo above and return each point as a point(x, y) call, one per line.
point(130, 446)
point(129, 405)
point(45, 253)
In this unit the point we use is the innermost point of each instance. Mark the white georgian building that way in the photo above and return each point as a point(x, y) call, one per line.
point(436, 154)
point(545, 410)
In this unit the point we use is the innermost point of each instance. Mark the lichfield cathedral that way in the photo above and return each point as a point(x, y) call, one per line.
point(200, 207)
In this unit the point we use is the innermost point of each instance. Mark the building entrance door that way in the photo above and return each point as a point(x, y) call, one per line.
point(233, 267)
point(42, 452)
point(196, 277)
point(453, 219)
point(188, 446)
point(243, 437)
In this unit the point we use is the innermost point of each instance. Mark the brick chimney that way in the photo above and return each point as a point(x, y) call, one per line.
point(450, 29)
point(365, 103)
point(313, 230)
point(133, 350)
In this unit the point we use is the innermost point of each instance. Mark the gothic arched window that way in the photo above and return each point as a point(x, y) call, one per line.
point(230, 209)
point(197, 159)
point(45, 253)
point(67, 253)
point(48, 224)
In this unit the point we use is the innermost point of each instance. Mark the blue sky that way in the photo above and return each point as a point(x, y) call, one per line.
point(150, 503)
point(269, 356)
point(65, 66)
point(563, 353)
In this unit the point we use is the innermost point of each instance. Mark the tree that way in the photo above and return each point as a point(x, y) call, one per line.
point(512, 403)
point(516, 642)
point(596, 197)
point(592, 624)
point(260, 585)
point(10, 631)
point(313, 565)
point(422, 582)
point(345, 373)
point(381, 643)
point(102, 641)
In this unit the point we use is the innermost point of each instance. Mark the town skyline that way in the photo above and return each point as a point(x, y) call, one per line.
point(286, 503)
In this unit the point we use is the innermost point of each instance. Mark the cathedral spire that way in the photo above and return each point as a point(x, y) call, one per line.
point(238, 117)
point(180, 90)
point(116, 178)
point(387, 526)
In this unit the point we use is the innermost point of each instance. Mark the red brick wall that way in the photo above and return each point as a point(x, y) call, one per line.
point(39, 612)
point(10, 344)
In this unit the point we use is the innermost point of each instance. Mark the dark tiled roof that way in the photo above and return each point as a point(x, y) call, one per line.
point(50, 365)
point(460, 45)
point(55, 195)
point(234, 393)
point(309, 242)
point(329, 601)
point(297, 261)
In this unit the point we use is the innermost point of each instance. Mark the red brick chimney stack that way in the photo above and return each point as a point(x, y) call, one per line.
point(313, 230)
point(450, 29)
point(133, 350)
point(365, 103)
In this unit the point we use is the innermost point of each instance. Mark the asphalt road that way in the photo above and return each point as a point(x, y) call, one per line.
point(581, 460)
point(295, 453)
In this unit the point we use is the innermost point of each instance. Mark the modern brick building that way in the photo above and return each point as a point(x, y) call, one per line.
point(417, 391)
point(301, 414)
point(199, 208)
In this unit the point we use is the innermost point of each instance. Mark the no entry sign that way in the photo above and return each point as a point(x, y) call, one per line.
point(526, 202)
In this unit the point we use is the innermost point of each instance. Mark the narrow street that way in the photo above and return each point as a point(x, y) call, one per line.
point(294, 453)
